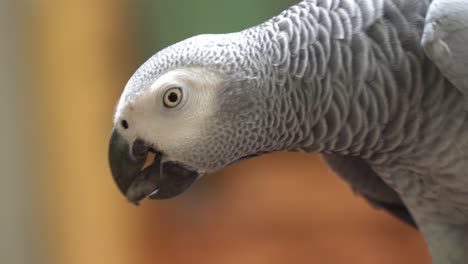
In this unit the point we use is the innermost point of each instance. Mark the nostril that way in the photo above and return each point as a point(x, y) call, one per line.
point(124, 124)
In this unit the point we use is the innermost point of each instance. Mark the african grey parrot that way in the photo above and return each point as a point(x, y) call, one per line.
point(378, 87)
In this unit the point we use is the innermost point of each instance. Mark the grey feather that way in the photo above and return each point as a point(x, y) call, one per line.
point(445, 40)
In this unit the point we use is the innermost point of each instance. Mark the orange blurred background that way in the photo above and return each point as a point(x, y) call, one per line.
point(74, 58)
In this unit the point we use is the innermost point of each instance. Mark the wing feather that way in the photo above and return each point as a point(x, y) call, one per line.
point(365, 181)
point(445, 40)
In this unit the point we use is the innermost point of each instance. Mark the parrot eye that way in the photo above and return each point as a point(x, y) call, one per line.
point(172, 97)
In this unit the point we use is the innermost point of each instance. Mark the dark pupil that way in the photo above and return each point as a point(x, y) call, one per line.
point(173, 97)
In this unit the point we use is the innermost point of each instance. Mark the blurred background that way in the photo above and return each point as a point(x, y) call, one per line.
point(63, 66)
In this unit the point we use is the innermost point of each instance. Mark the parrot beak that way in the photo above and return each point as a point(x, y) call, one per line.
point(160, 180)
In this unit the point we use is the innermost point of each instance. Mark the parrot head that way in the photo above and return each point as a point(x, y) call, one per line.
point(199, 106)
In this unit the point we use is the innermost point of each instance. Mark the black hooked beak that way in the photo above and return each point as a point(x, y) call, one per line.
point(160, 180)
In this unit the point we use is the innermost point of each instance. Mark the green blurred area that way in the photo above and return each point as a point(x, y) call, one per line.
point(162, 23)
